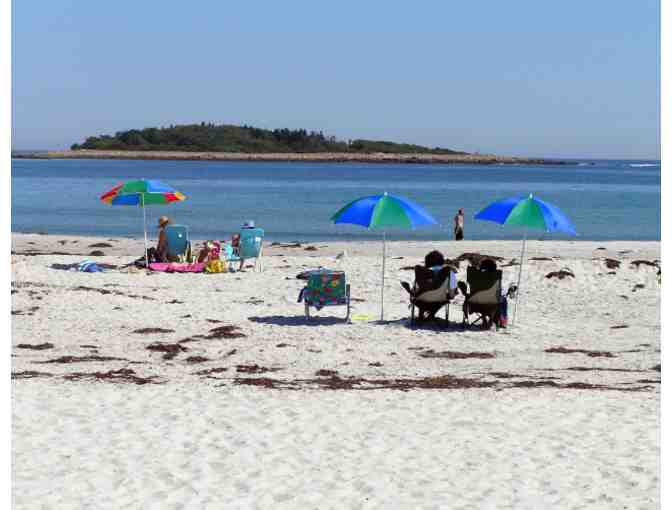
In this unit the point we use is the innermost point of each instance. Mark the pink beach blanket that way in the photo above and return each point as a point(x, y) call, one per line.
point(177, 267)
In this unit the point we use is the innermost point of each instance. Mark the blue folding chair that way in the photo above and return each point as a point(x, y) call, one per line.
point(179, 246)
point(251, 245)
point(228, 254)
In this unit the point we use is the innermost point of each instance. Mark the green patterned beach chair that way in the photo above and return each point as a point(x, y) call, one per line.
point(326, 288)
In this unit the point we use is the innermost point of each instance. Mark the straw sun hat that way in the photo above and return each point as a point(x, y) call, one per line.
point(163, 221)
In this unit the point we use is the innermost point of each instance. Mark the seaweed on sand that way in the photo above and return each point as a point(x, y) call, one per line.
point(254, 369)
point(196, 359)
point(170, 350)
point(229, 331)
point(455, 355)
point(36, 347)
point(210, 371)
point(81, 359)
point(30, 374)
point(147, 331)
point(326, 373)
point(560, 275)
point(592, 354)
point(124, 375)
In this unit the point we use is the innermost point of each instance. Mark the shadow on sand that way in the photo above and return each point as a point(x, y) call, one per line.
point(298, 320)
point(437, 325)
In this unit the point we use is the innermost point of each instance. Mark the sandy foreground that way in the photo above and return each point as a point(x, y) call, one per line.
point(242, 417)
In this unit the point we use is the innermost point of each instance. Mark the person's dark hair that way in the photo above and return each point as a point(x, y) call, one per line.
point(488, 265)
point(434, 258)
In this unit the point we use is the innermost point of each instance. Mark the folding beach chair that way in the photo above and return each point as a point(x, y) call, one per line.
point(483, 298)
point(179, 246)
point(228, 254)
point(326, 288)
point(251, 245)
point(431, 291)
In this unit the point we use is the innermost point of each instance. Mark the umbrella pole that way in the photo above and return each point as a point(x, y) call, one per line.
point(144, 225)
point(520, 274)
point(382, 285)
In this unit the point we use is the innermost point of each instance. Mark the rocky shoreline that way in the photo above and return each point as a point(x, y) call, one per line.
point(470, 159)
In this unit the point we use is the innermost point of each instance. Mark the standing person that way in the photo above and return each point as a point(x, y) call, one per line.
point(458, 229)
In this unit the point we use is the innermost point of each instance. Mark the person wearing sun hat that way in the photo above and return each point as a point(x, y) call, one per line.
point(160, 253)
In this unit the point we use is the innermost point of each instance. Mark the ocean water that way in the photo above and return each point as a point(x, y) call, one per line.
point(294, 201)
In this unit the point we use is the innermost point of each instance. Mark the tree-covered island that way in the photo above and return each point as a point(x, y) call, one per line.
point(207, 137)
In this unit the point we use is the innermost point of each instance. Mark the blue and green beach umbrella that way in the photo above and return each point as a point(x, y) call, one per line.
point(381, 211)
point(527, 212)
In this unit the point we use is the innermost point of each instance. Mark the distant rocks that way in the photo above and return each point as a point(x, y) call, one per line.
point(334, 157)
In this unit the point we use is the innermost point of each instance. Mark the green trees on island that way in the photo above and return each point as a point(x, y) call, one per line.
point(206, 137)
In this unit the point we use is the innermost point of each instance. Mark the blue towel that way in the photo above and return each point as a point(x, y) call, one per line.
point(88, 266)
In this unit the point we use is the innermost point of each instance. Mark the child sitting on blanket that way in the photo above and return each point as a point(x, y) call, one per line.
point(210, 251)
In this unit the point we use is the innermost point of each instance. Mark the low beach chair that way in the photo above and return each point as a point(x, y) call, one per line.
point(483, 298)
point(251, 246)
point(326, 288)
point(179, 246)
point(431, 291)
point(229, 254)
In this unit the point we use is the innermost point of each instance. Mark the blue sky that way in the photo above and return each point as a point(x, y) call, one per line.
point(567, 79)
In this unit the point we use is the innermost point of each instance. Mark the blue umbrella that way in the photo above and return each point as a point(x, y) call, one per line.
point(529, 212)
point(380, 211)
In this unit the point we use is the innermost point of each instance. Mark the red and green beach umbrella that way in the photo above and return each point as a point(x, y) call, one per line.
point(141, 193)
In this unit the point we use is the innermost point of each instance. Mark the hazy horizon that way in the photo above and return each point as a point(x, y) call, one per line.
point(571, 80)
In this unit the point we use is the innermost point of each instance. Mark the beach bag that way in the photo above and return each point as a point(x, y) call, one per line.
point(216, 266)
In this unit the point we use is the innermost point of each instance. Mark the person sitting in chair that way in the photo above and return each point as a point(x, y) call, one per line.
point(486, 266)
point(160, 253)
point(490, 266)
point(430, 277)
point(434, 260)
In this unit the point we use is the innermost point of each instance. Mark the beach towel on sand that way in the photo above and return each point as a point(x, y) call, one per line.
point(177, 267)
point(87, 266)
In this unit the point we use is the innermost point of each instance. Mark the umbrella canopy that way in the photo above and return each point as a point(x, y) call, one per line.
point(380, 211)
point(141, 192)
point(528, 212)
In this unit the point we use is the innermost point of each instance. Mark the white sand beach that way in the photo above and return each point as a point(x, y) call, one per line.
point(426, 417)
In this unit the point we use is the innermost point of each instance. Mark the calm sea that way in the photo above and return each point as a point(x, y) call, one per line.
point(294, 201)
